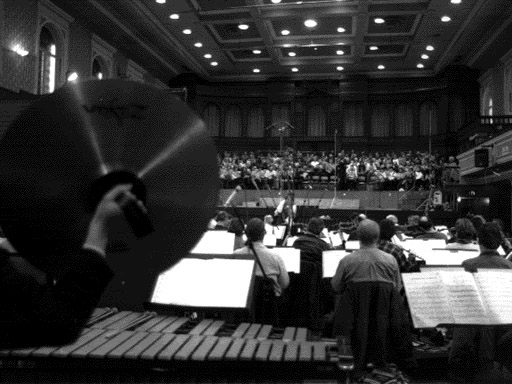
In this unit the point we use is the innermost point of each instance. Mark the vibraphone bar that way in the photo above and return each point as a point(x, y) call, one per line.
point(145, 345)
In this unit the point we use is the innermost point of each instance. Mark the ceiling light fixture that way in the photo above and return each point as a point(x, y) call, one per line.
point(381, 67)
point(420, 65)
point(285, 32)
point(243, 27)
point(295, 69)
point(276, 1)
point(341, 29)
point(208, 56)
point(187, 31)
point(455, 1)
point(256, 51)
point(292, 54)
point(429, 48)
point(287, 45)
point(214, 63)
point(379, 20)
point(256, 70)
point(446, 19)
point(160, 1)
point(373, 48)
point(72, 76)
point(340, 52)
point(174, 16)
point(198, 44)
point(340, 68)
point(20, 50)
point(310, 23)
point(425, 56)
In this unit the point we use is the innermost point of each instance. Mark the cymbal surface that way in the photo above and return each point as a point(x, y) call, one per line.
point(63, 143)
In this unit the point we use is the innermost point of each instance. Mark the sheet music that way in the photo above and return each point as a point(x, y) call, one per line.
point(219, 283)
point(428, 299)
point(453, 257)
point(501, 251)
point(330, 261)
point(345, 236)
point(269, 240)
point(495, 288)
point(352, 245)
point(335, 238)
point(290, 241)
point(215, 242)
point(290, 256)
point(466, 304)
point(279, 231)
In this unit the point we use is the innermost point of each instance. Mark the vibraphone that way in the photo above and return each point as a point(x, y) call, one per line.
point(146, 346)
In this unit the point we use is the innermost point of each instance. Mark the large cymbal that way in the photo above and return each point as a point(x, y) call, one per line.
point(53, 155)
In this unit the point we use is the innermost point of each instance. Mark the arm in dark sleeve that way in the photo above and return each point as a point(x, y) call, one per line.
point(52, 314)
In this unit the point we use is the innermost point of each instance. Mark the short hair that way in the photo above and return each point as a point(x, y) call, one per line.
point(268, 219)
point(425, 223)
point(361, 217)
point(464, 229)
point(387, 229)
point(316, 225)
point(413, 219)
point(236, 226)
point(392, 218)
point(489, 236)
point(368, 232)
point(478, 221)
point(255, 230)
point(221, 216)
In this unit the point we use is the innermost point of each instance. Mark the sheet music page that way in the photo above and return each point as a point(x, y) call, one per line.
point(269, 240)
point(345, 236)
point(290, 241)
point(428, 299)
point(330, 261)
point(335, 238)
point(352, 245)
point(501, 251)
point(496, 291)
point(279, 231)
point(222, 283)
point(448, 256)
point(465, 301)
point(290, 256)
point(215, 242)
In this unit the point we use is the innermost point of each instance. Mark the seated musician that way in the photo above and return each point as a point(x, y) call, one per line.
point(428, 230)
point(36, 311)
point(310, 243)
point(236, 226)
point(286, 211)
point(465, 236)
point(406, 263)
point(473, 348)
point(272, 263)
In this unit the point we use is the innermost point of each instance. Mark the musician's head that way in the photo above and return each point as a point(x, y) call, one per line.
point(268, 219)
point(316, 225)
point(464, 230)
point(387, 229)
point(489, 236)
point(255, 230)
point(368, 232)
point(290, 197)
point(392, 218)
point(236, 226)
point(425, 224)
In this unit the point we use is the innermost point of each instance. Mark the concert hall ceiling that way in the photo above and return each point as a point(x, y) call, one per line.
point(245, 40)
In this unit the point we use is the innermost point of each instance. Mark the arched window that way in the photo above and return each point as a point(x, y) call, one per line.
point(403, 120)
point(49, 60)
point(316, 121)
point(255, 122)
point(233, 123)
point(99, 68)
point(211, 117)
point(428, 119)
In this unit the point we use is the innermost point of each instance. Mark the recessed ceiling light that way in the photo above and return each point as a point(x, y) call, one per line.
point(243, 27)
point(285, 32)
point(446, 19)
point(339, 52)
point(315, 49)
point(341, 29)
point(425, 56)
point(340, 68)
point(214, 63)
point(420, 65)
point(292, 54)
point(310, 23)
point(198, 45)
point(379, 20)
point(276, 1)
point(373, 48)
point(455, 1)
point(381, 67)
point(429, 48)
point(174, 16)
point(187, 31)
point(295, 69)
point(160, 1)
point(256, 51)
point(208, 56)
point(256, 70)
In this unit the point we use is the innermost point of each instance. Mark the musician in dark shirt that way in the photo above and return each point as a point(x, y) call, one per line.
point(310, 243)
point(35, 310)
